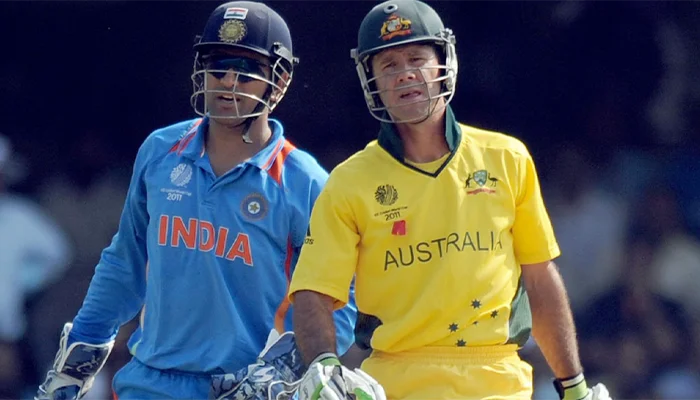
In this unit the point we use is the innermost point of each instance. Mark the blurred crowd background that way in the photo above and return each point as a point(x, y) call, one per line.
point(605, 94)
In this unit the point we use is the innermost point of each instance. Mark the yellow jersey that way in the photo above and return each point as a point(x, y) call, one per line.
point(436, 256)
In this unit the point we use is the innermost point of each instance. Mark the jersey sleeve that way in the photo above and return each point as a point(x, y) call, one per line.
point(329, 255)
point(345, 316)
point(117, 290)
point(533, 235)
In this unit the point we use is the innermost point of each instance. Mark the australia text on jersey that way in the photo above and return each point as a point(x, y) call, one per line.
point(203, 236)
point(423, 252)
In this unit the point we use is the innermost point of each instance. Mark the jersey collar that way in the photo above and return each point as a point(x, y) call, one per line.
point(390, 141)
point(195, 147)
point(263, 159)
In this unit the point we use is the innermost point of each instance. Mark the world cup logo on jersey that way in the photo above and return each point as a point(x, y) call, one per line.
point(181, 175)
point(386, 195)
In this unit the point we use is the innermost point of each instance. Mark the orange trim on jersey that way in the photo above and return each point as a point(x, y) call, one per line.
point(274, 154)
point(283, 308)
point(276, 163)
point(181, 144)
point(114, 395)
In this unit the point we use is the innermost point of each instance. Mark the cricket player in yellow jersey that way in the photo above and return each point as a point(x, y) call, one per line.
point(445, 232)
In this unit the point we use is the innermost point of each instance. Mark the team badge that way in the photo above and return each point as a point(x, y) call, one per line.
point(395, 26)
point(482, 180)
point(254, 206)
point(386, 195)
point(480, 177)
point(232, 31)
point(181, 175)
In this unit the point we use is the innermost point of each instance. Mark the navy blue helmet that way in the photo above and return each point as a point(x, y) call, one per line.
point(251, 26)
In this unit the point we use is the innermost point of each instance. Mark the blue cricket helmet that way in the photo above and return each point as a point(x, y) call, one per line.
point(251, 26)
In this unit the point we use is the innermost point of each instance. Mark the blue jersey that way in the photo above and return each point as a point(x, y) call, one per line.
point(206, 260)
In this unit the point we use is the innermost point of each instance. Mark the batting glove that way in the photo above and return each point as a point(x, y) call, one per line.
point(576, 389)
point(327, 379)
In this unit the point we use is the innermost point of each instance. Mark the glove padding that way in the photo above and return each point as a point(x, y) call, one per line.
point(327, 379)
point(598, 392)
point(275, 375)
point(74, 368)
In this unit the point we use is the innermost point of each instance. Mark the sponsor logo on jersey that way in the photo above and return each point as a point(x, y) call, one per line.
point(308, 239)
point(399, 228)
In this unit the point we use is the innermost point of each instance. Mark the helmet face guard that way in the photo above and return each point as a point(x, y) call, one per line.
point(248, 26)
point(400, 23)
point(244, 70)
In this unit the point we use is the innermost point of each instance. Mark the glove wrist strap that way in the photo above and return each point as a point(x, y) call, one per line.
point(572, 388)
point(326, 359)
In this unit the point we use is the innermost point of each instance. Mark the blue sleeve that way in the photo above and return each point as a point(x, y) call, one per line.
point(346, 316)
point(117, 290)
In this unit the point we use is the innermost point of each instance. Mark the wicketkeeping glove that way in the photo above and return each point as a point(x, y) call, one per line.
point(327, 379)
point(576, 389)
point(275, 375)
point(74, 368)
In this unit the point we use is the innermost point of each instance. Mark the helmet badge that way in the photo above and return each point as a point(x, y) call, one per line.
point(395, 26)
point(232, 31)
point(235, 13)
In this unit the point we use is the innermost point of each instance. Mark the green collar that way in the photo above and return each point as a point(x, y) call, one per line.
point(390, 141)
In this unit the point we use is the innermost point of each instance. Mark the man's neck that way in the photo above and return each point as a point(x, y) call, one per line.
point(425, 141)
point(225, 145)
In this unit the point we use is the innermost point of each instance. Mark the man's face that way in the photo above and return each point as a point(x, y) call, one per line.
point(406, 80)
point(235, 78)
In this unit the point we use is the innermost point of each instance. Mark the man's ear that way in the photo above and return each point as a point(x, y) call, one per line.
point(282, 83)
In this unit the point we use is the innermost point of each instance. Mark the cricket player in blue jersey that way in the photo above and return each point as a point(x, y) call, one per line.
point(215, 216)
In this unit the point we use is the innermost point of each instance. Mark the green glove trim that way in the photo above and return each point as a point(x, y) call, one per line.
point(576, 392)
point(574, 388)
point(326, 359)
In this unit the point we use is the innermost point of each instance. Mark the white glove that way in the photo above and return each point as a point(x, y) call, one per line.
point(327, 379)
point(74, 368)
point(598, 392)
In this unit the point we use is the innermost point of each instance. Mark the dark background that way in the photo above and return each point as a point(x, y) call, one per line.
point(605, 95)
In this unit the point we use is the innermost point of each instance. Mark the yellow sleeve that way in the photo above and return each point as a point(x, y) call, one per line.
point(533, 236)
point(329, 254)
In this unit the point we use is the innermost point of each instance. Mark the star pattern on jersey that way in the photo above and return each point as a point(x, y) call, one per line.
point(461, 343)
point(476, 304)
point(453, 327)
point(254, 207)
point(494, 313)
